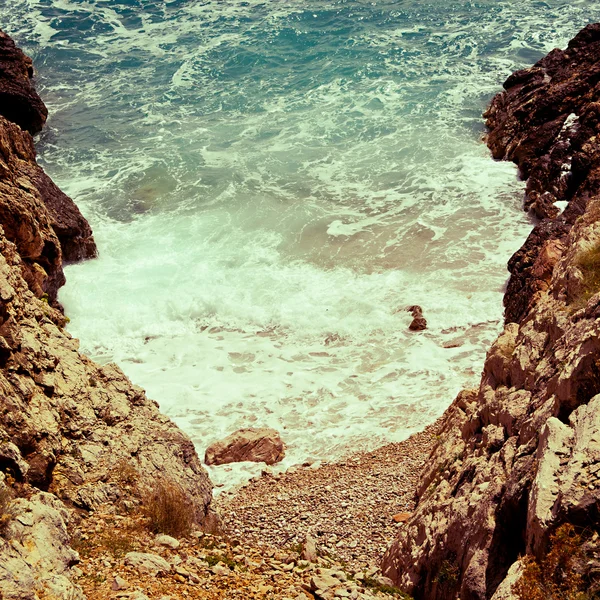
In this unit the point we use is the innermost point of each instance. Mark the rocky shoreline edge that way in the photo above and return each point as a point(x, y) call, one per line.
point(510, 468)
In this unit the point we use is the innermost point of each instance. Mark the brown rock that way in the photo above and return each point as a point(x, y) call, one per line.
point(255, 445)
point(19, 102)
point(545, 121)
point(419, 323)
point(401, 517)
point(36, 216)
point(309, 549)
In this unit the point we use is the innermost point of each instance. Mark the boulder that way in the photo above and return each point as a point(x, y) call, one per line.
point(309, 549)
point(146, 562)
point(35, 552)
point(254, 445)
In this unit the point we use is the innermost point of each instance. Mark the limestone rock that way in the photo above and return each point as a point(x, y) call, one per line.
point(147, 562)
point(255, 445)
point(309, 549)
point(80, 431)
point(35, 553)
point(518, 456)
point(42, 221)
point(168, 541)
point(119, 584)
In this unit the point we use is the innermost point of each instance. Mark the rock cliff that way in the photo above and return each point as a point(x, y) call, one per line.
point(519, 456)
point(73, 434)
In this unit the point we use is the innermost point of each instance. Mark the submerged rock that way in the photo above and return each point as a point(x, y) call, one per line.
point(255, 445)
point(419, 323)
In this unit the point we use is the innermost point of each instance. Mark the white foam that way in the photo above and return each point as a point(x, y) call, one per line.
point(258, 250)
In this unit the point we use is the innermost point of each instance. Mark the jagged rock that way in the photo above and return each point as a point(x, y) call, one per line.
point(19, 102)
point(44, 223)
point(147, 562)
point(84, 431)
point(519, 456)
point(34, 551)
point(255, 445)
point(76, 429)
point(38, 217)
point(546, 122)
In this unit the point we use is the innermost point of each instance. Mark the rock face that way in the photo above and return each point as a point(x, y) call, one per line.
point(41, 220)
point(72, 433)
point(19, 102)
point(546, 122)
point(520, 455)
point(35, 551)
point(255, 445)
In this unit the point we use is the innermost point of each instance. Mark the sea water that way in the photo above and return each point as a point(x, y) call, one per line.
point(271, 184)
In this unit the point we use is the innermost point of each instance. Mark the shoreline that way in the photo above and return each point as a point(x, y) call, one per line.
point(468, 505)
point(348, 505)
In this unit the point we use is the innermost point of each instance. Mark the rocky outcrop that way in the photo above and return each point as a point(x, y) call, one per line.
point(73, 434)
point(254, 445)
point(19, 102)
point(39, 218)
point(35, 551)
point(419, 323)
point(546, 122)
point(520, 455)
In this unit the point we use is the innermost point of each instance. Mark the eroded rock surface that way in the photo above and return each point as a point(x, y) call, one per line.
point(73, 434)
point(546, 121)
point(520, 455)
point(36, 215)
point(34, 548)
point(19, 102)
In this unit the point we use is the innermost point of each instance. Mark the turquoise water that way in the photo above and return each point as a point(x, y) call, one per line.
point(271, 184)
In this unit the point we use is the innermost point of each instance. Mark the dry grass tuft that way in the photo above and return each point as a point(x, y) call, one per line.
point(6, 512)
point(169, 509)
point(589, 265)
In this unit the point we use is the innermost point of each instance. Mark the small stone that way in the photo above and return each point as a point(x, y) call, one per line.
point(401, 517)
point(220, 569)
point(119, 584)
point(168, 541)
point(181, 571)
